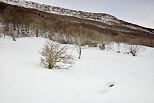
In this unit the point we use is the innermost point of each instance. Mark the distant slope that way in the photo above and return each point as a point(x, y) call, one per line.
point(97, 23)
point(99, 17)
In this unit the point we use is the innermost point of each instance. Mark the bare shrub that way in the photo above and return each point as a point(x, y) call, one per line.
point(54, 55)
point(79, 41)
point(102, 46)
point(133, 49)
point(109, 45)
point(91, 43)
point(106, 41)
point(118, 44)
point(7, 30)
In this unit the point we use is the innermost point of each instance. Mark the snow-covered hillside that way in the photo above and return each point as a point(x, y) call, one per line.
point(98, 17)
point(24, 80)
point(61, 11)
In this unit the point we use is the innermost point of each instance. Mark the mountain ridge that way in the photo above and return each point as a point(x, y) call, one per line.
point(27, 18)
point(98, 17)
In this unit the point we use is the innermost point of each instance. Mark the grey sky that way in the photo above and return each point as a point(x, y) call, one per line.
point(135, 11)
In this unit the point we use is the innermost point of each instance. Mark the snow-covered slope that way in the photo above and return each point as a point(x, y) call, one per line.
point(61, 11)
point(99, 17)
point(24, 80)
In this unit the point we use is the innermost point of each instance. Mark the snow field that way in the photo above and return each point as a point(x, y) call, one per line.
point(24, 80)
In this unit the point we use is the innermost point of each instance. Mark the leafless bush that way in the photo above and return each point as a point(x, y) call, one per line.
point(109, 45)
point(133, 49)
point(79, 43)
point(102, 46)
point(118, 44)
point(91, 43)
point(8, 30)
point(54, 55)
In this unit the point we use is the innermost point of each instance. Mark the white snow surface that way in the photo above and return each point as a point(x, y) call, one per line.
point(24, 80)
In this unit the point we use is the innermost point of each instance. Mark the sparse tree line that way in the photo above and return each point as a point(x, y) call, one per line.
point(121, 48)
point(55, 55)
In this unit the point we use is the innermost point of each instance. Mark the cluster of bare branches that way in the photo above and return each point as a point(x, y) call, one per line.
point(54, 55)
point(129, 48)
point(133, 49)
point(79, 41)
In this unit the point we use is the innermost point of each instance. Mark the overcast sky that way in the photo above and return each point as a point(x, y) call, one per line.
point(140, 12)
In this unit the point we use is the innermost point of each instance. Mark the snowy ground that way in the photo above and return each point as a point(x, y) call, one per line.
point(24, 80)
